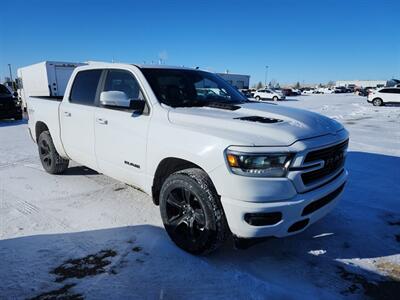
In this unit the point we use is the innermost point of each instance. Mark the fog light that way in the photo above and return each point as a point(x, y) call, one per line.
point(263, 219)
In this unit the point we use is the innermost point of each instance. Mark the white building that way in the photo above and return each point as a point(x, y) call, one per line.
point(237, 80)
point(361, 83)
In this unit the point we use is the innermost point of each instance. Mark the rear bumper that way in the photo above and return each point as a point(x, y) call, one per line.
point(297, 213)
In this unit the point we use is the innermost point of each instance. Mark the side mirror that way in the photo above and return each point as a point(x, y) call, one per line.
point(114, 98)
point(15, 94)
point(120, 99)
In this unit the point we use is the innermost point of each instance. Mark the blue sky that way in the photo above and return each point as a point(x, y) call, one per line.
point(306, 41)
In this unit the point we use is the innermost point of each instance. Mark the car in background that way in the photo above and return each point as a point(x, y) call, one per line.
point(10, 108)
point(268, 94)
point(290, 92)
point(246, 92)
point(363, 92)
point(384, 96)
point(341, 90)
point(307, 91)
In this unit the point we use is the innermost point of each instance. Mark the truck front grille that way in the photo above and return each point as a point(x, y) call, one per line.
point(333, 157)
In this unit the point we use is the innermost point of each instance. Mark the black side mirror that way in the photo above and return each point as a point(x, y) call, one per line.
point(137, 105)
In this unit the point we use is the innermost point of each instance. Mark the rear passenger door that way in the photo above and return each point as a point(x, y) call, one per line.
point(396, 95)
point(77, 118)
point(121, 134)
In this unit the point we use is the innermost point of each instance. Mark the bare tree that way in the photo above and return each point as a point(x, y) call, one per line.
point(259, 85)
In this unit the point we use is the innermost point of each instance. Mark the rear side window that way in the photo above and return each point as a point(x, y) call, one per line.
point(84, 87)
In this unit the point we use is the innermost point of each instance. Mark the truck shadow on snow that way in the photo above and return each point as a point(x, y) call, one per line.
point(7, 123)
point(141, 261)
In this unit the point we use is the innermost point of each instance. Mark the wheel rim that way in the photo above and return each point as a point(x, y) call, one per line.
point(186, 220)
point(45, 153)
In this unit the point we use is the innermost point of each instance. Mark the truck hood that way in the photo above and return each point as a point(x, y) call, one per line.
point(258, 124)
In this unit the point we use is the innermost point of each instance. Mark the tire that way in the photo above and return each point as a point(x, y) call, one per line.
point(52, 162)
point(377, 102)
point(275, 98)
point(192, 213)
point(258, 98)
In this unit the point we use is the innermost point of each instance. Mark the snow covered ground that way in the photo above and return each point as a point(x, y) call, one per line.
point(84, 235)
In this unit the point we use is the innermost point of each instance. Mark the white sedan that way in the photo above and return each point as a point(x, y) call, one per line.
point(268, 94)
point(383, 96)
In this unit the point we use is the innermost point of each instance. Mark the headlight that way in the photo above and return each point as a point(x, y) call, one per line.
point(259, 165)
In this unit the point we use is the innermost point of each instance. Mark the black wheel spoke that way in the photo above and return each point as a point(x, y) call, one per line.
point(176, 220)
point(199, 217)
point(172, 200)
point(186, 195)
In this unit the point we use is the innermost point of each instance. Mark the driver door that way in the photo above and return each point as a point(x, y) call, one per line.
point(121, 134)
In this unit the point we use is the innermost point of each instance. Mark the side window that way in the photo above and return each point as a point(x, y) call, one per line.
point(84, 87)
point(396, 91)
point(385, 91)
point(122, 81)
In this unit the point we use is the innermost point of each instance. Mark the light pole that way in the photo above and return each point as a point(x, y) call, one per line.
point(9, 68)
point(266, 75)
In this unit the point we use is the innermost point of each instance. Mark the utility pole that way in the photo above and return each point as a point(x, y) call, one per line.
point(266, 75)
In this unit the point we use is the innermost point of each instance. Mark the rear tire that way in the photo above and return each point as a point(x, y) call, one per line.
point(192, 213)
point(377, 102)
point(258, 98)
point(52, 162)
point(275, 98)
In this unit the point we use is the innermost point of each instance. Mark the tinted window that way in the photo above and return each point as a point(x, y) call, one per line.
point(124, 82)
point(389, 91)
point(85, 86)
point(396, 91)
point(181, 87)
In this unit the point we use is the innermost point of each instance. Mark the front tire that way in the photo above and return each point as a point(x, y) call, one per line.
point(52, 162)
point(275, 98)
point(377, 102)
point(191, 212)
point(258, 98)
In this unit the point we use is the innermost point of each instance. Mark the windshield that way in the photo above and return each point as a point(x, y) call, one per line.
point(4, 90)
point(179, 88)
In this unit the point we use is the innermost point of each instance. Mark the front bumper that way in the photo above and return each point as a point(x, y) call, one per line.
point(245, 197)
point(293, 211)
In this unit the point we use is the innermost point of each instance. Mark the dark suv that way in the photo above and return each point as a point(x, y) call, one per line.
point(9, 107)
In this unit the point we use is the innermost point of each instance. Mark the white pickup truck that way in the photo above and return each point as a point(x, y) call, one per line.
point(216, 163)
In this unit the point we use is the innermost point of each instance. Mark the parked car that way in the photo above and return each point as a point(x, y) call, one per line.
point(384, 96)
point(307, 91)
point(325, 91)
point(268, 94)
point(246, 93)
point(289, 92)
point(296, 92)
point(340, 90)
point(216, 166)
point(10, 108)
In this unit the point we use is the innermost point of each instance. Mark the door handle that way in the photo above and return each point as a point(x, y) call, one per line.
point(102, 121)
point(67, 113)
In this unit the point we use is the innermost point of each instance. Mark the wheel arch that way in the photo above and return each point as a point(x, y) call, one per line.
point(39, 128)
point(165, 168)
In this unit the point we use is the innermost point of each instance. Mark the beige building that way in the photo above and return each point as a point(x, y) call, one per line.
point(361, 83)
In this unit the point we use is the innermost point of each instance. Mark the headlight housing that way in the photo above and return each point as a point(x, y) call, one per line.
point(259, 164)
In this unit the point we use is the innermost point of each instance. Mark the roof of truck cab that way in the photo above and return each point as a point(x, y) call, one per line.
point(143, 66)
point(140, 66)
